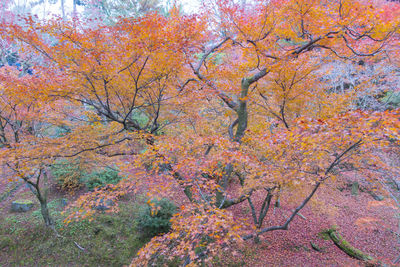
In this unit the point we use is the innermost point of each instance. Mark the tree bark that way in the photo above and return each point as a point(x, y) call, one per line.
point(45, 212)
point(41, 196)
point(63, 8)
point(285, 226)
point(346, 247)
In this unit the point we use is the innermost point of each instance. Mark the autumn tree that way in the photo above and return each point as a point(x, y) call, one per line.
point(109, 86)
point(281, 131)
point(228, 105)
point(21, 123)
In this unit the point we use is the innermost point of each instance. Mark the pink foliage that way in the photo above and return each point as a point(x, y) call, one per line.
point(365, 223)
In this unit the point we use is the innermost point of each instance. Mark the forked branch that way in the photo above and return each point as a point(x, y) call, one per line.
point(285, 226)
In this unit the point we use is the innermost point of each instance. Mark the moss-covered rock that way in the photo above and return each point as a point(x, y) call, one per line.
point(21, 205)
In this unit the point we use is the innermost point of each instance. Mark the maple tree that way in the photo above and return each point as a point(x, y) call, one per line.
point(100, 103)
point(245, 116)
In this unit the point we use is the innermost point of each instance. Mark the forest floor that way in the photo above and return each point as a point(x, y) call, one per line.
point(366, 223)
point(369, 225)
point(108, 240)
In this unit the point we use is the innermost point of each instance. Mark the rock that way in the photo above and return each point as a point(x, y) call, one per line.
point(378, 197)
point(21, 205)
point(104, 206)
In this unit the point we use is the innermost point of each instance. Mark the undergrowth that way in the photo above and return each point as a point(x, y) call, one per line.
point(109, 240)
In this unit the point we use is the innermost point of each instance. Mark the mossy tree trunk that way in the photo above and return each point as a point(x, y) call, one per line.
point(45, 212)
point(354, 189)
point(41, 191)
point(345, 246)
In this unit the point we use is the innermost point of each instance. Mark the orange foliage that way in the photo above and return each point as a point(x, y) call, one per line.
point(226, 103)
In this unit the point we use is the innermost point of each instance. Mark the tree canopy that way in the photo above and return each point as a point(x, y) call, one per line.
point(223, 106)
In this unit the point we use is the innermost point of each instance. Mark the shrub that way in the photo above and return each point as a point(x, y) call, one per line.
point(5, 241)
point(101, 178)
point(154, 217)
point(68, 174)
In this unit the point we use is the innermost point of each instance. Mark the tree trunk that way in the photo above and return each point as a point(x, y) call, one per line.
point(44, 209)
point(346, 247)
point(354, 189)
point(74, 7)
point(63, 8)
point(221, 194)
point(45, 212)
point(242, 110)
point(41, 196)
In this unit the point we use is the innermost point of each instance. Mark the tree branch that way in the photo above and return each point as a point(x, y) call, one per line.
point(307, 199)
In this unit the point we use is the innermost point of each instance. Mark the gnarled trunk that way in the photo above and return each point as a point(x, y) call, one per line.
point(36, 189)
point(45, 212)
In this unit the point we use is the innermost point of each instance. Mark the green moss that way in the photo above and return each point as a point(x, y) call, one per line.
point(111, 240)
point(324, 235)
point(346, 246)
point(24, 202)
point(5, 242)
